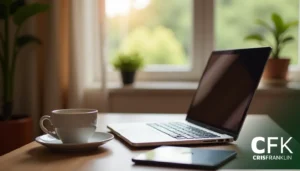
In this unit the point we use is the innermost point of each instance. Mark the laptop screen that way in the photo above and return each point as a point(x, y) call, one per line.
point(226, 88)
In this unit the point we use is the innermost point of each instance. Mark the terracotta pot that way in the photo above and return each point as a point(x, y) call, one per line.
point(276, 69)
point(15, 133)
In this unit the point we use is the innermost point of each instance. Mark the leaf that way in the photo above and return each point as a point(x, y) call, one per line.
point(128, 62)
point(264, 24)
point(26, 39)
point(287, 39)
point(278, 23)
point(256, 37)
point(27, 11)
point(16, 4)
point(292, 23)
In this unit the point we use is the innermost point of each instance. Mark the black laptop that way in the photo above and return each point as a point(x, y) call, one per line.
point(219, 106)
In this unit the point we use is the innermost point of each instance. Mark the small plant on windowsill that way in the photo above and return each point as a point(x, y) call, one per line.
point(277, 66)
point(128, 64)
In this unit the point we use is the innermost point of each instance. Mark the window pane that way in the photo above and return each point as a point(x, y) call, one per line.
point(159, 30)
point(235, 19)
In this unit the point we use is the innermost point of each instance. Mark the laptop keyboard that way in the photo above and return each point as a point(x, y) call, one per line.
point(180, 130)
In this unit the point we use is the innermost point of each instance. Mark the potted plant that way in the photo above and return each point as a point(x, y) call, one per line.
point(15, 130)
point(277, 66)
point(128, 64)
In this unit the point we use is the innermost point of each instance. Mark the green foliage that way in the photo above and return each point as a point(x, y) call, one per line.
point(256, 37)
point(15, 5)
point(11, 5)
point(174, 16)
point(278, 29)
point(27, 11)
point(9, 54)
point(128, 61)
point(234, 21)
point(158, 45)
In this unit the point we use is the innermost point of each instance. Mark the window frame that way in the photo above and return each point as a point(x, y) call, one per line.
point(201, 41)
point(202, 44)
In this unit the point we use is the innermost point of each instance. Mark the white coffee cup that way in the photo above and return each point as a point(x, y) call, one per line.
point(71, 125)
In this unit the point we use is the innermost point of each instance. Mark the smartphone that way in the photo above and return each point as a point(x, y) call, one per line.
point(185, 157)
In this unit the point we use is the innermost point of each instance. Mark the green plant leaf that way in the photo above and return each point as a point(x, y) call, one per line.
point(128, 62)
point(16, 4)
point(292, 23)
point(278, 23)
point(256, 37)
point(27, 11)
point(287, 39)
point(26, 39)
point(264, 24)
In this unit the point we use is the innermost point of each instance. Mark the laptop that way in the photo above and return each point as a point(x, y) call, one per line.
point(219, 106)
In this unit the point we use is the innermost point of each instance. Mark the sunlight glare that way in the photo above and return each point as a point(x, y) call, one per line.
point(122, 7)
point(140, 4)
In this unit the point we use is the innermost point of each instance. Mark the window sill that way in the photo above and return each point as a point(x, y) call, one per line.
point(148, 86)
point(290, 87)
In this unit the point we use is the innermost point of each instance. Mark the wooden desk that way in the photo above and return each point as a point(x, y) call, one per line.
point(116, 155)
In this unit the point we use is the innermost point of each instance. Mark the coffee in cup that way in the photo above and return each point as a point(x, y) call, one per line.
point(71, 125)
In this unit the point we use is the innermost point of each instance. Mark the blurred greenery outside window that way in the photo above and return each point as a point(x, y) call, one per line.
point(234, 19)
point(161, 31)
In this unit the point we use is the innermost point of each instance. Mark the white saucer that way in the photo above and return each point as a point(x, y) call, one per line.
point(94, 142)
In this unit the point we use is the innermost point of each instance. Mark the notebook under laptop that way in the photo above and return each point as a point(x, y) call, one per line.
point(219, 106)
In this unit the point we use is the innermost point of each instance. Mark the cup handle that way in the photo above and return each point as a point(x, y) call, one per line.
point(44, 129)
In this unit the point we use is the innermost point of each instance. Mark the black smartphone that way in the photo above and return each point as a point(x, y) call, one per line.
point(185, 157)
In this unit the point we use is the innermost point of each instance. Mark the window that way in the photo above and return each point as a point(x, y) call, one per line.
point(159, 30)
point(177, 36)
point(234, 19)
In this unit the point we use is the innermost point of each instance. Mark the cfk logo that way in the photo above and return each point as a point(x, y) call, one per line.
point(270, 144)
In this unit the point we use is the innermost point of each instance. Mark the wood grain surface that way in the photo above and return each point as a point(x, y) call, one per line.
point(116, 155)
